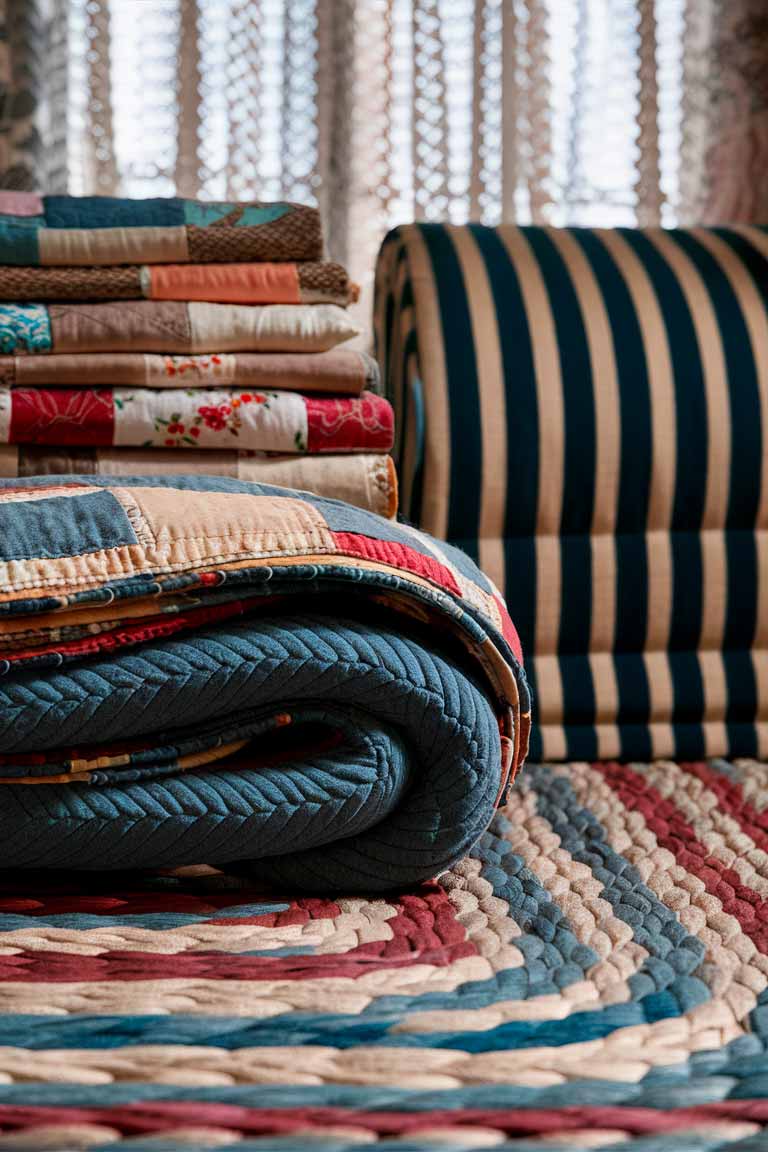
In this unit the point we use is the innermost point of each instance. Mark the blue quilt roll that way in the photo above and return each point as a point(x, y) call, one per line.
point(334, 719)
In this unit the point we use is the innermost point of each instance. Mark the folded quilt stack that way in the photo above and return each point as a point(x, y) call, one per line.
point(132, 329)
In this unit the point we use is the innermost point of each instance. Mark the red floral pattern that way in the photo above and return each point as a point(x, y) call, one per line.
point(216, 417)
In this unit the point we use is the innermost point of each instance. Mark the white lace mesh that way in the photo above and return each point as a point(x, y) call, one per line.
point(581, 111)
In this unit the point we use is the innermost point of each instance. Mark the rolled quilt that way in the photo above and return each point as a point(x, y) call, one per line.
point(312, 283)
point(366, 479)
point(171, 326)
point(195, 418)
point(339, 370)
point(199, 669)
point(55, 230)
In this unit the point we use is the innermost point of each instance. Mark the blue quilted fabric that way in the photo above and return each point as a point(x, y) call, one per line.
point(196, 672)
point(409, 789)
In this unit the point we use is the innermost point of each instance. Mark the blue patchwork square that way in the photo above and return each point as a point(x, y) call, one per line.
point(57, 526)
point(202, 215)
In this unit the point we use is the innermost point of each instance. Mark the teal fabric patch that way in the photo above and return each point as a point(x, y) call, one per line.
point(24, 328)
point(18, 239)
point(111, 212)
point(203, 215)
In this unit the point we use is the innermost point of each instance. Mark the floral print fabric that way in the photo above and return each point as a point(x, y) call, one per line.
point(265, 421)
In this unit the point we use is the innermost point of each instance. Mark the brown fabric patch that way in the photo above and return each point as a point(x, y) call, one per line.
point(106, 247)
point(295, 236)
point(140, 326)
point(70, 283)
point(325, 283)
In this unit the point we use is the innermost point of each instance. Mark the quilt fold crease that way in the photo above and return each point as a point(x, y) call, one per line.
point(199, 669)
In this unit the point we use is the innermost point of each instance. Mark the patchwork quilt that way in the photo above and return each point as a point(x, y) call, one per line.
point(93, 230)
point(287, 283)
point(200, 669)
point(195, 418)
point(338, 370)
point(171, 327)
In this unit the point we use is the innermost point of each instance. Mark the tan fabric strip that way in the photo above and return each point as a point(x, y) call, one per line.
point(333, 371)
point(437, 455)
point(98, 246)
point(492, 397)
point(132, 326)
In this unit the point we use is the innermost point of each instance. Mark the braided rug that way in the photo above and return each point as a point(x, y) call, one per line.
point(595, 975)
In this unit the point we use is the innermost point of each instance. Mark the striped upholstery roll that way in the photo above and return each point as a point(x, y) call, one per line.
point(585, 412)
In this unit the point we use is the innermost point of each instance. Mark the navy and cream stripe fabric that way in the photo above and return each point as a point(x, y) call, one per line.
point(585, 412)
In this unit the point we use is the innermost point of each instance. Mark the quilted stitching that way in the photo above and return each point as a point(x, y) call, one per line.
point(411, 789)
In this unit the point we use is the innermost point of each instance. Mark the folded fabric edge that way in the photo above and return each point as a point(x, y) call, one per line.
point(365, 480)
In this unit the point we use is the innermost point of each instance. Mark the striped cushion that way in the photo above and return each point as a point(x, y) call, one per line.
point(585, 412)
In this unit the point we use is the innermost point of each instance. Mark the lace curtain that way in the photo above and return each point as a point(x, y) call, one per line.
point(582, 111)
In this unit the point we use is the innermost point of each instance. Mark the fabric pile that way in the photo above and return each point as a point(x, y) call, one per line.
point(204, 670)
point(167, 335)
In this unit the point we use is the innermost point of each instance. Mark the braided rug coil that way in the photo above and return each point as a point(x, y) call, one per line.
point(595, 975)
